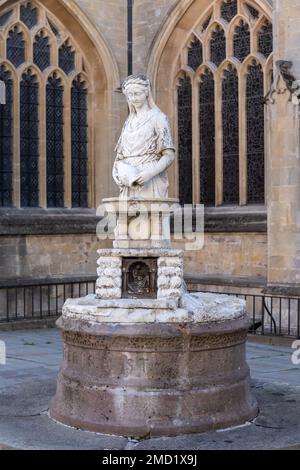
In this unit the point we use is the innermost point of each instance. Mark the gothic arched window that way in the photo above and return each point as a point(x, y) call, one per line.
point(79, 139)
point(29, 14)
point(195, 55)
point(265, 39)
point(16, 46)
point(185, 149)
point(207, 137)
point(45, 160)
point(41, 51)
point(29, 139)
point(230, 127)
point(6, 140)
point(229, 9)
point(218, 46)
point(220, 105)
point(66, 58)
point(55, 141)
point(241, 41)
point(255, 133)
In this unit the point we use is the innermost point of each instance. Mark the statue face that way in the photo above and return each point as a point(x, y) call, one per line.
point(136, 95)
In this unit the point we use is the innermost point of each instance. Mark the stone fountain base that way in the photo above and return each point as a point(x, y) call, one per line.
point(155, 369)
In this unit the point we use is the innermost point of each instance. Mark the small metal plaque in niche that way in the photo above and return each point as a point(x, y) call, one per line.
point(139, 278)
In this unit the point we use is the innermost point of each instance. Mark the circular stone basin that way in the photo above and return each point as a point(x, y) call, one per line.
point(153, 379)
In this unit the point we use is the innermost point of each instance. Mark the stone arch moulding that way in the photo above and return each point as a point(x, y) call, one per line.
point(103, 77)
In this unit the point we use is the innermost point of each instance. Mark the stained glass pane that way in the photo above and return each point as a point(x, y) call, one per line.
point(41, 51)
point(79, 137)
point(55, 141)
point(54, 28)
point(228, 9)
point(255, 134)
point(254, 13)
point(184, 97)
point(230, 118)
point(5, 17)
point(207, 138)
point(6, 140)
point(29, 143)
point(265, 39)
point(218, 46)
point(66, 58)
point(29, 15)
point(241, 41)
point(16, 47)
point(206, 22)
point(195, 54)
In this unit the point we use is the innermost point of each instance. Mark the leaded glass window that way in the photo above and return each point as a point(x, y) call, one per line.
point(221, 105)
point(16, 46)
point(206, 22)
point(41, 51)
point(79, 137)
point(43, 152)
point(255, 133)
point(218, 46)
point(228, 9)
point(66, 58)
point(207, 138)
point(29, 15)
point(29, 140)
point(265, 39)
point(55, 141)
point(195, 55)
point(6, 140)
point(230, 127)
point(241, 41)
point(184, 100)
point(54, 28)
point(5, 17)
point(254, 13)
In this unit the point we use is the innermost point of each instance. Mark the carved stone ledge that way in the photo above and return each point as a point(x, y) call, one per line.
point(69, 221)
point(47, 221)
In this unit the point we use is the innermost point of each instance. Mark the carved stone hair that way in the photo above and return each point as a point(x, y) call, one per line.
point(138, 79)
point(143, 81)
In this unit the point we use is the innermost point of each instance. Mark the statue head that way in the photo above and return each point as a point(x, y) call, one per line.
point(137, 89)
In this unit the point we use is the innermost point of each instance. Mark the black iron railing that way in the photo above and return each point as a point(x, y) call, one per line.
point(38, 301)
point(271, 315)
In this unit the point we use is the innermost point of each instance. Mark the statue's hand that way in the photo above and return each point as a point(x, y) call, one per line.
point(144, 176)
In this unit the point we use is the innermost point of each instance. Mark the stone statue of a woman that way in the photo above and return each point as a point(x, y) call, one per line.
point(145, 149)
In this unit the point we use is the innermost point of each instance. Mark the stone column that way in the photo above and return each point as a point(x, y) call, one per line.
point(283, 150)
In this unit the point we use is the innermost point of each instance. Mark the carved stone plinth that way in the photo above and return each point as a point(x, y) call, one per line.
point(141, 223)
point(140, 273)
point(151, 378)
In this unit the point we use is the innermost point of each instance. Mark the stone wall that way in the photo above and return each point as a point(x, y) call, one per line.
point(42, 256)
point(110, 17)
point(150, 17)
point(231, 255)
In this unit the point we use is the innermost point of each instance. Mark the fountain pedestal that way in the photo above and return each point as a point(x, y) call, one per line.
point(143, 357)
point(151, 379)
